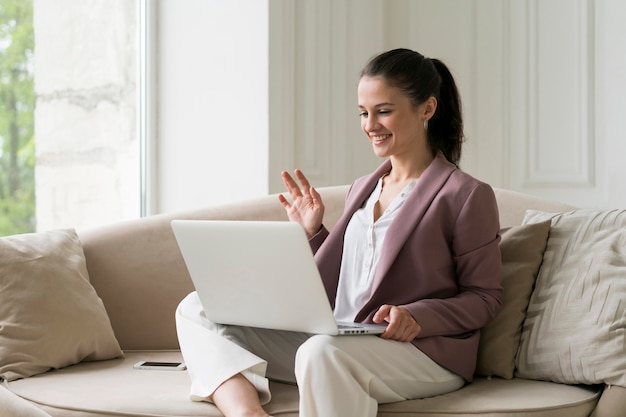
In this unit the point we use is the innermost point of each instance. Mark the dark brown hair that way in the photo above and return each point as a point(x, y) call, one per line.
point(420, 78)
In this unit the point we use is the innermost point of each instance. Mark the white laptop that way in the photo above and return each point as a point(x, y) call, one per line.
point(259, 274)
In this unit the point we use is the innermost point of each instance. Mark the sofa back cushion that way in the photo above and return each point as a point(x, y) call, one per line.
point(575, 329)
point(136, 265)
point(50, 315)
point(513, 205)
point(522, 250)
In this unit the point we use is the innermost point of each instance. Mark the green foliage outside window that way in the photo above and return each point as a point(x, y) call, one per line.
point(17, 105)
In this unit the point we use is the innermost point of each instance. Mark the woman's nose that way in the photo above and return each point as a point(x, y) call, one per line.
point(370, 124)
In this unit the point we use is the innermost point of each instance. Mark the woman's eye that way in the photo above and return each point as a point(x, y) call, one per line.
point(384, 112)
point(363, 114)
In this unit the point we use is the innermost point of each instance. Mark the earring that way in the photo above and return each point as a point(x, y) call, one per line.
point(426, 124)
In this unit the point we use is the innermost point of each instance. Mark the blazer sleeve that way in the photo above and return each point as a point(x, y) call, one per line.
point(478, 264)
point(319, 238)
point(316, 241)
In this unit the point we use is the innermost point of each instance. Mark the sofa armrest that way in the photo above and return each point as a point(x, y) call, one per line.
point(15, 406)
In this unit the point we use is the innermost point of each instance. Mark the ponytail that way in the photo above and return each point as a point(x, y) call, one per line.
point(445, 128)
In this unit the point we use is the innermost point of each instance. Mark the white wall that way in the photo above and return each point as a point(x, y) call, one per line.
point(611, 104)
point(541, 84)
point(556, 149)
point(213, 105)
point(321, 50)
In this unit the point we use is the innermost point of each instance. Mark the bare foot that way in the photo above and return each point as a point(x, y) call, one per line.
point(237, 397)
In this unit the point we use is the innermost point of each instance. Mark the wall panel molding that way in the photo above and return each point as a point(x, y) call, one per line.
point(558, 43)
point(316, 51)
point(536, 78)
point(313, 75)
point(282, 64)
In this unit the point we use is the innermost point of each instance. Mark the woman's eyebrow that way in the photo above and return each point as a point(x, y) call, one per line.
point(386, 104)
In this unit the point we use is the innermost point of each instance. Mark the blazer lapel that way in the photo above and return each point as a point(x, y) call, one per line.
point(331, 250)
point(364, 190)
point(411, 213)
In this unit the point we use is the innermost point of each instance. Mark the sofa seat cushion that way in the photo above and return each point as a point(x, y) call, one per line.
point(114, 388)
point(501, 397)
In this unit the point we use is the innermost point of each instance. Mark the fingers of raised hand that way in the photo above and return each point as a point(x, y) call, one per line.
point(283, 200)
point(306, 186)
point(316, 197)
point(297, 191)
point(290, 184)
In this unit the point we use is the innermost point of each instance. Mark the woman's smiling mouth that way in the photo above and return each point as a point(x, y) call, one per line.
point(379, 138)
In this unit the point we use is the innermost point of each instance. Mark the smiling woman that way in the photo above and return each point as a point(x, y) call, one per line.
point(416, 249)
point(385, 120)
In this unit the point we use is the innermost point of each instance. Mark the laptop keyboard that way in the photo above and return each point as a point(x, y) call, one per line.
point(349, 326)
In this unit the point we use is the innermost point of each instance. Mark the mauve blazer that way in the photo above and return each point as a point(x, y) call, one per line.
point(440, 260)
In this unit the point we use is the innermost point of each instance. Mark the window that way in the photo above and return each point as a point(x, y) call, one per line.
point(17, 103)
point(69, 153)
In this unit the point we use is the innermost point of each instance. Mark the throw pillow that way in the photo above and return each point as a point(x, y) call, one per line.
point(575, 328)
point(522, 252)
point(50, 315)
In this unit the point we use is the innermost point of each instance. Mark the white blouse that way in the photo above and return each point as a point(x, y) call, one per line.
point(362, 246)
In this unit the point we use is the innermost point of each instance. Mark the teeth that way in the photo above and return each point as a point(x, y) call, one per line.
point(380, 138)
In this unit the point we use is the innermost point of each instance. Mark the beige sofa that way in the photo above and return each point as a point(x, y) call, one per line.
point(138, 273)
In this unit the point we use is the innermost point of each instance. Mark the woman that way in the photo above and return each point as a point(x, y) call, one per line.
point(417, 247)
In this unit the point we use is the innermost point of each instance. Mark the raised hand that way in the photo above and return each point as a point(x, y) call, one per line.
point(306, 206)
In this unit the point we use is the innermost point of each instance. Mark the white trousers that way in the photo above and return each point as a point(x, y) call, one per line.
point(338, 376)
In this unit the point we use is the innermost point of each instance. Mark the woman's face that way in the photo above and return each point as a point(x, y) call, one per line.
point(394, 126)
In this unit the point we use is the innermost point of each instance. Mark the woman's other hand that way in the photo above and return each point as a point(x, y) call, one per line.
point(306, 206)
point(402, 326)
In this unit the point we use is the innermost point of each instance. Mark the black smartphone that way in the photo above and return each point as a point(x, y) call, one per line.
point(160, 366)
